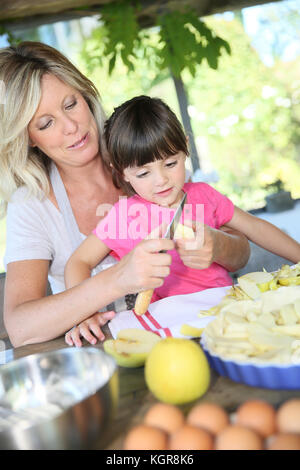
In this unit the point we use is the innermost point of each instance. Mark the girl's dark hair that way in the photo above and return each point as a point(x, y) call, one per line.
point(140, 131)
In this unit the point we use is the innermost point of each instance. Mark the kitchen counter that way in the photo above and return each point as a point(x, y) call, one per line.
point(135, 398)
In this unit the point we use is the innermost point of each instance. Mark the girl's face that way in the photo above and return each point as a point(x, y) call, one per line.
point(63, 126)
point(160, 181)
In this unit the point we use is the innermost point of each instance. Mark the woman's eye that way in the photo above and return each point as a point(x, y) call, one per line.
point(71, 105)
point(45, 126)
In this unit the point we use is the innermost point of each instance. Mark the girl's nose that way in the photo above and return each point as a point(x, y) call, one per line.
point(160, 178)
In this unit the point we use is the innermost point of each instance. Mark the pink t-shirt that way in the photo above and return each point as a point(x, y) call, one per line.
point(131, 219)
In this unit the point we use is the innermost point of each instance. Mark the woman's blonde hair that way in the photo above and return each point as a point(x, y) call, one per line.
point(21, 70)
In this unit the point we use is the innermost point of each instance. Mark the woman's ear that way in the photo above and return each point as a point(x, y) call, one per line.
point(31, 144)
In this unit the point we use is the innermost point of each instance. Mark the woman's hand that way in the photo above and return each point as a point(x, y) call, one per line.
point(89, 329)
point(199, 253)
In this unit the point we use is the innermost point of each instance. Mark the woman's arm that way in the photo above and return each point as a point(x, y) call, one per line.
point(31, 317)
point(81, 263)
point(266, 235)
point(227, 247)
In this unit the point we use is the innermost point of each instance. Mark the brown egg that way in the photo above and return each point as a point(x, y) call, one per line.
point(257, 415)
point(208, 416)
point(165, 416)
point(288, 416)
point(284, 441)
point(143, 437)
point(191, 438)
point(236, 437)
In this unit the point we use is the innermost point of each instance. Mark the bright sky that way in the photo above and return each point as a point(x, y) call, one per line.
point(265, 34)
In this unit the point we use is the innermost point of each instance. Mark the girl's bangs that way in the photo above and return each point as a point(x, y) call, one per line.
point(155, 149)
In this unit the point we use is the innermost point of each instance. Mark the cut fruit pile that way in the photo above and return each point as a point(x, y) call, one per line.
point(265, 330)
point(251, 286)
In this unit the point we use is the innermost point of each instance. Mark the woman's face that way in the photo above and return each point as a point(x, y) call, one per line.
point(63, 126)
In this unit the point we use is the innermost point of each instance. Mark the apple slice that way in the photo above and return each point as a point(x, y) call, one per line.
point(184, 232)
point(255, 283)
point(131, 347)
point(289, 281)
point(189, 330)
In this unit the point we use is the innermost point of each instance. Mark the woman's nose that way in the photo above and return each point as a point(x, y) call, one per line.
point(69, 126)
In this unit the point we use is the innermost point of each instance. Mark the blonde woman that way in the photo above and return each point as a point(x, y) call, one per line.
point(53, 187)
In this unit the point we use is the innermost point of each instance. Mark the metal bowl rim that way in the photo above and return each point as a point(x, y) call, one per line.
point(64, 350)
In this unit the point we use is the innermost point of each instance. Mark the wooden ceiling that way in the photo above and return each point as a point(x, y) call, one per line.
point(23, 14)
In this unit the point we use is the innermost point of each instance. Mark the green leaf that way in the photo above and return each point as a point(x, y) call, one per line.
point(120, 21)
point(187, 40)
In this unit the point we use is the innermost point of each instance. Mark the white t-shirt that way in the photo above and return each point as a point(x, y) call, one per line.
point(36, 230)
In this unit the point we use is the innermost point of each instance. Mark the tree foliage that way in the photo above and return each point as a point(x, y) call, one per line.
point(248, 115)
point(184, 41)
point(11, 38)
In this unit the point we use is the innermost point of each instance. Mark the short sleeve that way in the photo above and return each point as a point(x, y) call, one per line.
point(223, 207)
point(218, 208)
point(113, 229)
point(26, 233)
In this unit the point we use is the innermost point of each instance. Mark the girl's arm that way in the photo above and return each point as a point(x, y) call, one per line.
point(266, 235)
point(80, 264)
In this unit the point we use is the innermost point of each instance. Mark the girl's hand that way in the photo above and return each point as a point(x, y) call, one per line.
point(201, 252)
point(89, 329)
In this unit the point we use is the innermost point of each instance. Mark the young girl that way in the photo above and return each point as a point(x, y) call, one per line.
point(147, 150)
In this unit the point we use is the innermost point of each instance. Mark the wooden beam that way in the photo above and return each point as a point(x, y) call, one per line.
point(18, 15)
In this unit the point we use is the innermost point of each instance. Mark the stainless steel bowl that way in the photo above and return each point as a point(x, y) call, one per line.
point(62, 399)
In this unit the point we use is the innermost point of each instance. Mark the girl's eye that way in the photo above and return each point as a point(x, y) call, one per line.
point(71, 105)
point(142, 175)
point(171, 164)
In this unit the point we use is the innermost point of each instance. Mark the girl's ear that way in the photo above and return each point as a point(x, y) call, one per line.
point(125, 178)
